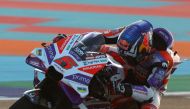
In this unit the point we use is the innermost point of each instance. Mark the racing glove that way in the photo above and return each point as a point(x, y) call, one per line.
point(124, 88)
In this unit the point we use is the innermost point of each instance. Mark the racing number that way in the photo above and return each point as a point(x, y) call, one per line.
point(66, 62)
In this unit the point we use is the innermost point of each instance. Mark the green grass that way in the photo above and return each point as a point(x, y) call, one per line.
point(179, 83)
point(25, 84)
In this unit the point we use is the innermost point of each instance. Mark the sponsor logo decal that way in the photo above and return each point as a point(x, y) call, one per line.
point(75, 55)
point(90, 56)
point(79, 51)
point(59, 67)
point(39, 52)
point(50, 52)
point(37, 63)
point(141, 90)
point(81, 89)
point(92, 69)
point(90, 62)
point(79, 78)
point(34, 63)
point(62, 43)
point(72, 41)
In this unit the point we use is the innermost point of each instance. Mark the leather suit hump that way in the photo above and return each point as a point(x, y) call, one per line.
point(143, 69)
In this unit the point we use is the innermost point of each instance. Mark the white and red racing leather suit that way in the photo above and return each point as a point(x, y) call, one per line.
point(150, 76)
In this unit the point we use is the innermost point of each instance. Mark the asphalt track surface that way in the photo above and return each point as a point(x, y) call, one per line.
point(169, 102)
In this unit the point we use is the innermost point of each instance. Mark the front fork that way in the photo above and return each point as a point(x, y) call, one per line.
point(36, 79)
point(34, 97)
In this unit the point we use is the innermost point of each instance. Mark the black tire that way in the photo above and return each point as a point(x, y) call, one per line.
point(24, 103)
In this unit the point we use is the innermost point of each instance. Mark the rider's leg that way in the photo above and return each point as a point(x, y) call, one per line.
point(155, 103)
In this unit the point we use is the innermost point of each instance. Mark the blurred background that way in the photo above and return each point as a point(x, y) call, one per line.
point(25, 24)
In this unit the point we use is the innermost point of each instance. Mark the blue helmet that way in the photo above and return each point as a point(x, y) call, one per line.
point(162, 39)
point(135, 39)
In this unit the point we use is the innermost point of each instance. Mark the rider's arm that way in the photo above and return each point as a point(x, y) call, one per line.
point(157, 77)
point(156, 81)
point(111, 36)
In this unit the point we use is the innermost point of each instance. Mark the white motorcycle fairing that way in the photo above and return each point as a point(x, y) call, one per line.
point(77, 69)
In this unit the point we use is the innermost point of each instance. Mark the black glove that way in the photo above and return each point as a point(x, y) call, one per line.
point(124, 88)
point(109, 71)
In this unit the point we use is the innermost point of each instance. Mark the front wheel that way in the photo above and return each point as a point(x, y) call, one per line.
point(25, 103)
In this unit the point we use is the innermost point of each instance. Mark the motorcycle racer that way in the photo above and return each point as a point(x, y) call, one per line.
point(149, 78)
point(138, 34)
point(149, 61)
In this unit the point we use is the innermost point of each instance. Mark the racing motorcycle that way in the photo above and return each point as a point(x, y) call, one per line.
point(76, 76)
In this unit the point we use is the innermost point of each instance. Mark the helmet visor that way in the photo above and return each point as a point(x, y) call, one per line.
point(123, 44)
